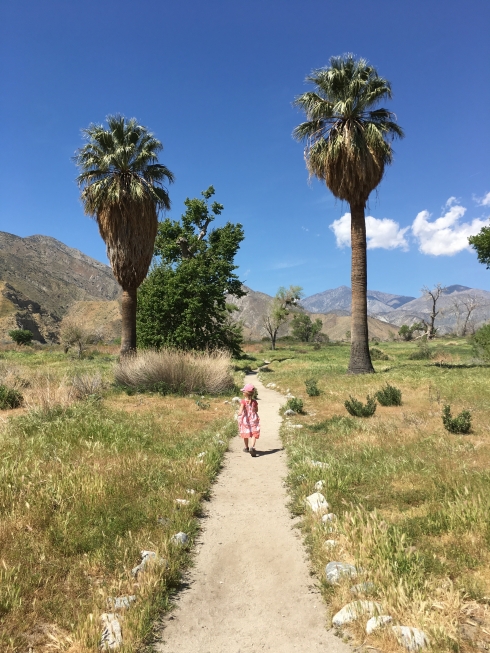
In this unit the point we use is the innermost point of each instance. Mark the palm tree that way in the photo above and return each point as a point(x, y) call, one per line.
point(348, 145)
point(122, 188)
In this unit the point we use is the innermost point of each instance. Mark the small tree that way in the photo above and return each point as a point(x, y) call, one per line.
point(481, 243)
point(73, 333)
point(406, 332)
point(463, 308)
point(433, 297)
point(304, 328)
point(481, 342)
point(279, 309)
point(21, 336)
point(182, 303)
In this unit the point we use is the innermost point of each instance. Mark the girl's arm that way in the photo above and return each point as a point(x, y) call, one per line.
point(255, 406)
point(241, 409)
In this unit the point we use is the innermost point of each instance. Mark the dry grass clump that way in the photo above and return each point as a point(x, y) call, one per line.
point(87, 385)
point(172, 370)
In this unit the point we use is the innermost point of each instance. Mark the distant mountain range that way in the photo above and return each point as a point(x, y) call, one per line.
point(42, 281)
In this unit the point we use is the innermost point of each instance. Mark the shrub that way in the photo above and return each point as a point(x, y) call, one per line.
point(423, 352)
point(295, 404)
point(389, 396)
point(174, 370)
point(378, 354)
point(459, 424)
point(481, 342)
point(87, 385)
point(358, 409)
point(312, 388)
point(9, 398)
point(21, 336)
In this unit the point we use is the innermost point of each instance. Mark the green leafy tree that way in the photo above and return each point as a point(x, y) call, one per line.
point(348, 145)
point(21, 336)
point(481, 342)
point(279, 309)
point(183, 301)
point(304, 328)
point(123, 188)
point(481, 244)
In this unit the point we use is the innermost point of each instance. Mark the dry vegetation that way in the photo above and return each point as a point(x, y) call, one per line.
point(85, 485)
point(412, 500)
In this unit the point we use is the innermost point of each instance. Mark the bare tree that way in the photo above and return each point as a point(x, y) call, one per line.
point(73, 333)
point(463, 308)
point(284, 302)
point(433, 297)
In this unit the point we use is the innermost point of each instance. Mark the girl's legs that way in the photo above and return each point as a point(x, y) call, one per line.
point(252, 442)
point(245, 442)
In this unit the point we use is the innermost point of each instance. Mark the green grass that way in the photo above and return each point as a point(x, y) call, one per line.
point(412, 500)
point(83, 489)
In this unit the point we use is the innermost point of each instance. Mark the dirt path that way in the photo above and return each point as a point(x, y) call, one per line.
point(250, 589)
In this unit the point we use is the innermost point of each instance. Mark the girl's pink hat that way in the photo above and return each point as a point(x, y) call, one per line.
point(248, 388)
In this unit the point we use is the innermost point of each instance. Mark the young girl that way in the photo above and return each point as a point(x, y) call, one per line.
point(248, 419)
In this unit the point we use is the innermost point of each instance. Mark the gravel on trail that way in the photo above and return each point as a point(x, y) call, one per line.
point(250, 588)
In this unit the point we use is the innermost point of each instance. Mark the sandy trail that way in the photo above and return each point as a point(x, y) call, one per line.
point(250, 589)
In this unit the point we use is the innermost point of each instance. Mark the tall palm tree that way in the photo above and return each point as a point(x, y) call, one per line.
point(348, 145)
point(122, 188)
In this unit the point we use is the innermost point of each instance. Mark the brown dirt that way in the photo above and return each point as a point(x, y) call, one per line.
point(250, 589)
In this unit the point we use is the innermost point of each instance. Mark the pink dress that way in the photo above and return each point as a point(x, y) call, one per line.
point(249, 421)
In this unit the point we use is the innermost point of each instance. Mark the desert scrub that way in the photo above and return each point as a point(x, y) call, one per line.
point(9, 398)
point(312, 389)
point(178, 370)
point(459, 424)
point(83, 490)
point(378, 354)
point(357, 409)
point(389, 396)
point(295, 404)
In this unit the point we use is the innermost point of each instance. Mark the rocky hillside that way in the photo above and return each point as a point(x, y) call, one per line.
point(41, 279)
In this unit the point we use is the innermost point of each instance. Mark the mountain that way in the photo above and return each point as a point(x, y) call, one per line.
point(41, 279)
point(339, 299)
point(253, 306)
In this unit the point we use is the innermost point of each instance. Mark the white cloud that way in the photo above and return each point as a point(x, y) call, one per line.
point(283, 265)
point(380, 233)
point(483, 201)
point(446, 235)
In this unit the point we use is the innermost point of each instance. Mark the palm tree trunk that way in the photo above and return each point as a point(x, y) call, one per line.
point(360, 358)
point(128, 313)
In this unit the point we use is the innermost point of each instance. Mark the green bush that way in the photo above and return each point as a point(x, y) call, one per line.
point(389, 396)
point(312, 388)
point(378, 354)
point(9, 398)
point(21, 336)
point(481, 342)
point(295, 404)
point(459, 424)
point(358, 409)
point(423, 352)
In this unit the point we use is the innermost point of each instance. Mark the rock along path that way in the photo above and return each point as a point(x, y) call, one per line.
point(250, 588)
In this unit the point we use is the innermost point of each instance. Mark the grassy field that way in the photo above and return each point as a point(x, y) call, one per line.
point(85, 486)
point(412, 500)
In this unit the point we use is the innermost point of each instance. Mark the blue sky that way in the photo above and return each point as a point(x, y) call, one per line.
point(214, 81)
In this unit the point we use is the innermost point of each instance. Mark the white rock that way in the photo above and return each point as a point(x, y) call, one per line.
point(317, 502)
point(182, 502)
point(295, 426)
point(289, 412)
point(226, 401)
point(354, 610)
point(377, 622)
point(412, 639)
point(201, 455)
point(329, 517)
point(146, 556)
point(319, 485)
point(235, 400)
point(267, 362)
point(335, 571)
point(290, 396)
point(121, 602)
point(191, 491)
point(221, 442)
point(111, 633)
point(180, 538)
point(331, 543)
